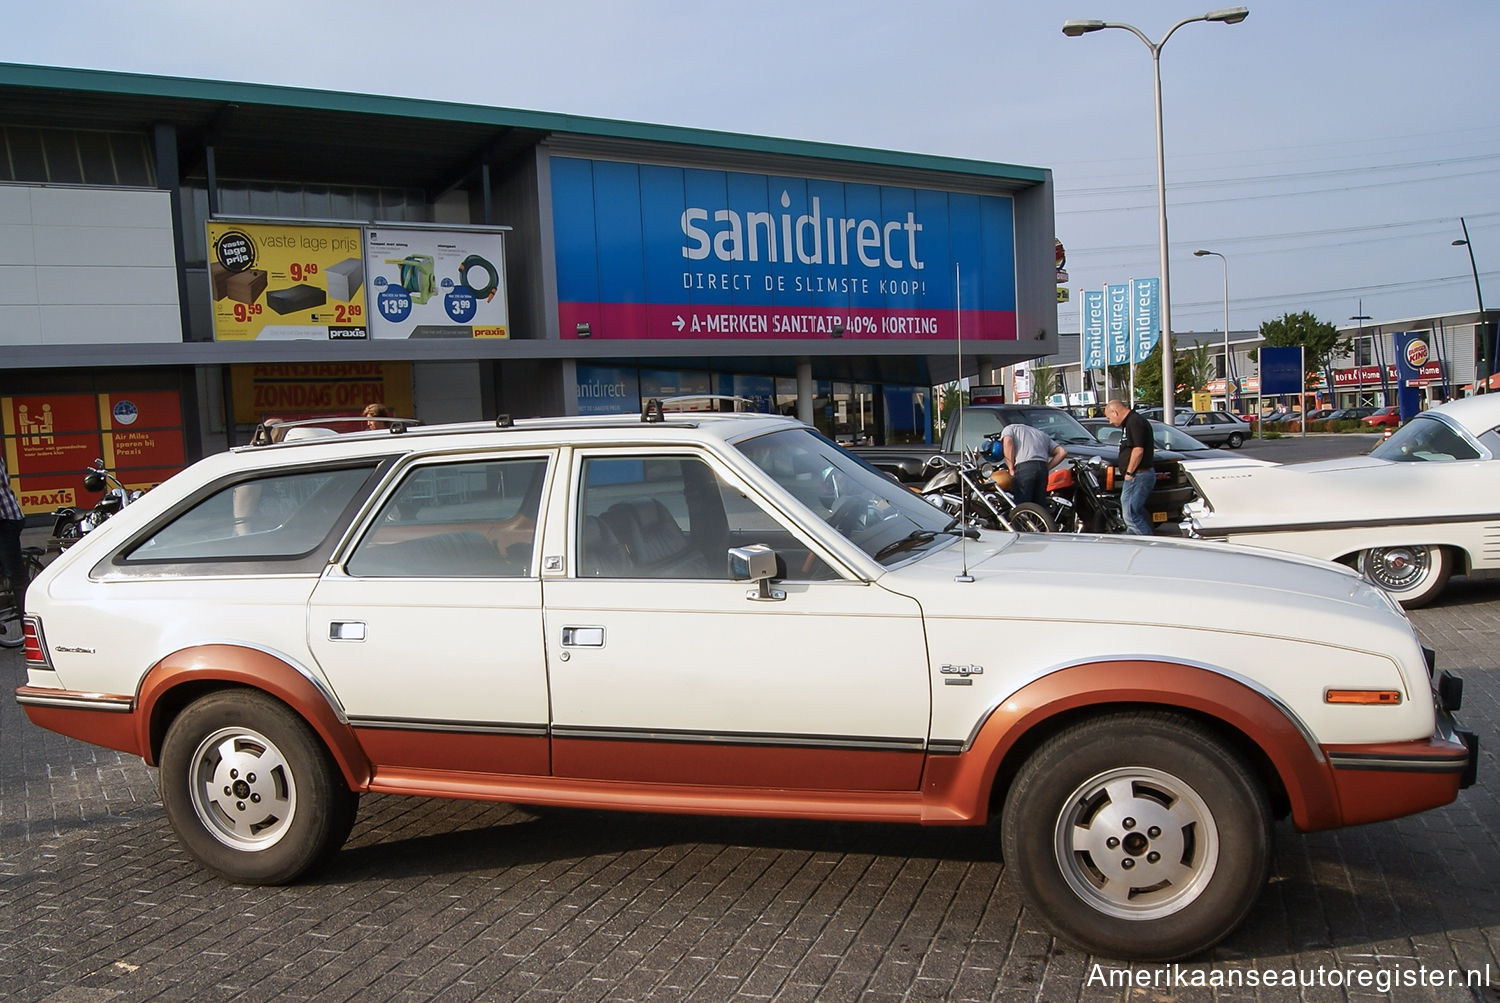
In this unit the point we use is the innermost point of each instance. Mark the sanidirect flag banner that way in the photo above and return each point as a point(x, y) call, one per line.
point(1117, 322)
point(1145, 316)
point(286, 281)
point(1093, 328)
point(429, 283)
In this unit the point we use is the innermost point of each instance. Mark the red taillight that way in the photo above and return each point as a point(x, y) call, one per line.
point(35, 656)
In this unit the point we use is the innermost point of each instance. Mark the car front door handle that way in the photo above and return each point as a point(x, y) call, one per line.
point(583, 637)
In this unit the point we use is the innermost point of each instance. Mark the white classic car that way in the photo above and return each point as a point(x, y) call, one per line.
point(1421, 506)
point(729, 614)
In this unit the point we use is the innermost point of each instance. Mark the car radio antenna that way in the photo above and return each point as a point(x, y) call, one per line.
point(958, 375)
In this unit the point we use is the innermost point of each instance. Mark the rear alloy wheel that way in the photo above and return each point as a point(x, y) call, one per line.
point(1137, 836)
point(1413, 575)
point(251, 791)
point(1235, 440)
point(1029, 517)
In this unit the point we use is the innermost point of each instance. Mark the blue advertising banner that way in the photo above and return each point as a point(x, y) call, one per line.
point(1092, 319)
point(1117, 322)
point(654, 251)
point(1281, 371)
point(608, 390)
point(1145, 316)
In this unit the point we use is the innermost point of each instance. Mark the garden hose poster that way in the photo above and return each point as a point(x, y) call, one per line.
point(427, 283)
point(278, 281)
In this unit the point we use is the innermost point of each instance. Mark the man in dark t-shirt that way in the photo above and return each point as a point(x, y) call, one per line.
point(1137, 464)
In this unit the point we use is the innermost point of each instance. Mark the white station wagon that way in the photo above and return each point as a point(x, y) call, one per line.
point(729, 614)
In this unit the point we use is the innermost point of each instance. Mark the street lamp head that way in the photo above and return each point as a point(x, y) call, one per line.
point(1075, 27)
point(1229, 15)
point(1460, 243)
point(1201, 253)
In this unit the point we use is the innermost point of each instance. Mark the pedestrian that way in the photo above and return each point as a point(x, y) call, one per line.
point(1136, 462)
point(373, 414)
point(1029, 454)
point(12, 521)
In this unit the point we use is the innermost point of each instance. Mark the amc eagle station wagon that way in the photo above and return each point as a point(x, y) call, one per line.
point(729, 614)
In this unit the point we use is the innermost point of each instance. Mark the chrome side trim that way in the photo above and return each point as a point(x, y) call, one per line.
point(742, 738)
point(68, 700)
point(1216, 532)
point(1405, 764)
point(463, 727)
point(1273, 699)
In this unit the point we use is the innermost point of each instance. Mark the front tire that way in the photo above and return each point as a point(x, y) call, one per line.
point(251, 791)
point(1413, 575)
point(1138, 836)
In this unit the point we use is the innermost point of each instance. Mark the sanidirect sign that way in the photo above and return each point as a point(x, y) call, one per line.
point(436, 283)
point(647, 251)
point(286, 281)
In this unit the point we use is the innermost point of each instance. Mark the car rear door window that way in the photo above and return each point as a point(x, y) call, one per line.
point(456, 520)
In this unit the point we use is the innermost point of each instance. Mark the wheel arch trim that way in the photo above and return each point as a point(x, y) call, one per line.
point(961, 786)
point(220, 665)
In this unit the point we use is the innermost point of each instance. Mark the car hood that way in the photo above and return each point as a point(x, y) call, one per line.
point(1139, 580)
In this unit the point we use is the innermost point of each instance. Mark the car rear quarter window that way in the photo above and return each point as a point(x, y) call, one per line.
point(277, 517)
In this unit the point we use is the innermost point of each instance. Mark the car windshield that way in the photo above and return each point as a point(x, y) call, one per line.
point(977, 422)
point(866, 506)
point(1426, 438)
point(1168, 437)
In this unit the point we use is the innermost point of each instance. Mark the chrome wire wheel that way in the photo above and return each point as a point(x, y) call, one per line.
point(1136, 843)
point(1397, 569)
point(242, 788)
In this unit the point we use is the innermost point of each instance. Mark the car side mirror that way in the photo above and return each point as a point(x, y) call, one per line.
point(756, 563)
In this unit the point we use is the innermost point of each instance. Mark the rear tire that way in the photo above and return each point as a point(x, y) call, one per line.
point(1137, 836)
point(1235, 440)
point(1029, 517)
point(251, 790)
point(1413, 575)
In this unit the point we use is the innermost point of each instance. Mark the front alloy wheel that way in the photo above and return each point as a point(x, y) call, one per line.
point(1138, 836)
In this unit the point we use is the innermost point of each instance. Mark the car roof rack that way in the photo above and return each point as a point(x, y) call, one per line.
point(274, 431)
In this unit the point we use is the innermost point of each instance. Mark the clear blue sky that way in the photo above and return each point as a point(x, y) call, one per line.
point(1327, 147)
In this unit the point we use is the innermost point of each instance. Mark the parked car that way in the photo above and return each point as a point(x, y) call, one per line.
point(1385, 417)
point(729, 614)
point(1422, 505)
point(1193, 453)
point(1214, 428)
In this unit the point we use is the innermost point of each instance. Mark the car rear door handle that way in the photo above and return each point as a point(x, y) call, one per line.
point(346, 630)
point(583, 637)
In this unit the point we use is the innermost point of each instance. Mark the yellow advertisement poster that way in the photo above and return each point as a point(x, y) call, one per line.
point(296, 390)
point(280, 281)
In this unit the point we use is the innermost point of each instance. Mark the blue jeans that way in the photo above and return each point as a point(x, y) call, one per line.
point(1133, 500)
point(1031, 482)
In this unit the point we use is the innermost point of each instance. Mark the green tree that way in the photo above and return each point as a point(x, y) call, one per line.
point(952, 397)
point(1319, 338)
point(1043, 382)
point(1148, 379)
point(1194, 368)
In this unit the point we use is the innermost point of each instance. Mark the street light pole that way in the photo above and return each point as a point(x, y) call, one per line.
point(1074, 28)
point(1228, 399)
point(1482, 369)
point(1359, 395)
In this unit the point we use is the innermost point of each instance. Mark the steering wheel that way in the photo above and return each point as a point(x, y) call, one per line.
point(853, 514)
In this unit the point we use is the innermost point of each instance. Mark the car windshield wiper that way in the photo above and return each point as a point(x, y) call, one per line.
point(920, 536)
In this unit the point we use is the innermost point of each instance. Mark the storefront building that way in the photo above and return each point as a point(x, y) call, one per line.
point(180, 259)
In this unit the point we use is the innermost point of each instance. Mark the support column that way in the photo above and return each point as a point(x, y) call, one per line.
point(805, 387)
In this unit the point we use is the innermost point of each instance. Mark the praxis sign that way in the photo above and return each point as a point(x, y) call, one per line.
point(650, 251)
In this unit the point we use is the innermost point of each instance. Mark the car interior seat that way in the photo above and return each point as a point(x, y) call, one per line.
point(656, 545)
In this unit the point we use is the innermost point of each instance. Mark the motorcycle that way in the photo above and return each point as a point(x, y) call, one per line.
point(1081, 497)
point(71, 524)
point(971, 489)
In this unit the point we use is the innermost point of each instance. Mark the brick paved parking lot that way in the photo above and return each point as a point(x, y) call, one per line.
point(461, 901)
